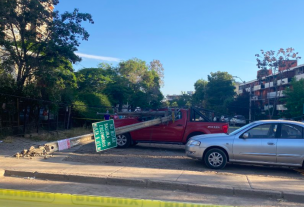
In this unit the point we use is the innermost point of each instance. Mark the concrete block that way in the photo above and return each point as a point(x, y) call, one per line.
point(257, 193)
point(167, 185)
point(86, 179)
point(14, 173)
point(294, 197)
point(211, 189)
point(51, 176)
point(126, 182)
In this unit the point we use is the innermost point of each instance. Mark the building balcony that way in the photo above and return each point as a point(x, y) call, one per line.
point(282, 81)
point(274, 94)
point(298, 77)
point(270, 84)
point(256, 88)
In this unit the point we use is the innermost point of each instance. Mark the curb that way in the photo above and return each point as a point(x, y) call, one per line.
point(162, 185)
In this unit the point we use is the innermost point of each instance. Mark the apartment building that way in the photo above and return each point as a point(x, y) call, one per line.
point(263, 89)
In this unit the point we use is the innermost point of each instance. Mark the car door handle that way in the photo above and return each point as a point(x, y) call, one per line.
point(270, 143)
point(179, 125)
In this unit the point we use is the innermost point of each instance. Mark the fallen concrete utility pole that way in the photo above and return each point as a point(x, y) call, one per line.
point(139, 113)
point(87, 138)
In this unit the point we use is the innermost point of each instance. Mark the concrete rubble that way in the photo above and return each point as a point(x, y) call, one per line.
point(34, 151)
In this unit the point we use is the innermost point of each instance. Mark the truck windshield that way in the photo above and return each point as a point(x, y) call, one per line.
point(242, 128)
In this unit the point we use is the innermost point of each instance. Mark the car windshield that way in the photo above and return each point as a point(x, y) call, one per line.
point(242, 128)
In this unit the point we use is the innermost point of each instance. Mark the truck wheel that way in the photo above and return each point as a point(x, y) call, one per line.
point(215, 159)
point(123, 140)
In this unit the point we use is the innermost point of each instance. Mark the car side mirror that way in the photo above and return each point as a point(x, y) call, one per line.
point(245, 135)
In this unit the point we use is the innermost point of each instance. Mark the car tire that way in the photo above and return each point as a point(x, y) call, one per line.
point(215, 159)
point(123, 140)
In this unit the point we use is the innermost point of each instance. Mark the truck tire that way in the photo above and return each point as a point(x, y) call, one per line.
point(215, 159)
point(134, 143)
point(123, 140)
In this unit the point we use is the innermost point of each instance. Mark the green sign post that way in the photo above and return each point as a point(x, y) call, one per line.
point(104, 134)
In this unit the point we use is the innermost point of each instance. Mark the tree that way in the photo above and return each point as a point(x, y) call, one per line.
point(36, 38)
point(219, 88)
point(93, 103)
point(184, 100)
point(295, 98)
point(240, 105)
point(132, 69)
point(275, 62)
point(93, 79)
point(118, 91)
point(199, 95)
point(7, 83)
point(174, 104)
point(156, 66)
point(142, 83)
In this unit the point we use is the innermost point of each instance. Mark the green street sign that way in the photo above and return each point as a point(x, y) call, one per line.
point(104, 134)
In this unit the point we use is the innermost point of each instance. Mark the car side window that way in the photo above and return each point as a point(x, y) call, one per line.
point(290, 131)
point(263, 131)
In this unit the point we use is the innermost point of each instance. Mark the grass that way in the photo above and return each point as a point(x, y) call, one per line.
point(8, 140)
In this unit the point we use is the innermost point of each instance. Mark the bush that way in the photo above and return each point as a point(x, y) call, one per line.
point(88, 104)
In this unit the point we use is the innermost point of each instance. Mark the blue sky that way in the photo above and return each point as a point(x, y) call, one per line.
point(191, 38)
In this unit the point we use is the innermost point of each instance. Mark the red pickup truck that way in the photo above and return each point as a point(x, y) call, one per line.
point(187, 123)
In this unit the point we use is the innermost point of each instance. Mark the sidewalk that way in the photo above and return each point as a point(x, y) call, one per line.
point(191, 181)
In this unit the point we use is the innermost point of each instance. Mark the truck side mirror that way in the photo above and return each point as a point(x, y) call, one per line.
point(245, 135)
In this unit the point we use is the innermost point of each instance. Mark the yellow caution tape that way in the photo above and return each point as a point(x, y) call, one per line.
point(20, 198)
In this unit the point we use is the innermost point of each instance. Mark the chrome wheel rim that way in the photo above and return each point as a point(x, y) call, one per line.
point(121, 140)
point(215, 159)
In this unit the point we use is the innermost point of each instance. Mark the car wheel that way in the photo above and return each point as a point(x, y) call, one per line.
point(123, 140)
point(215, 159)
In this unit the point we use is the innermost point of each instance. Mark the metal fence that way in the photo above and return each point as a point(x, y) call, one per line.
point(21, 115)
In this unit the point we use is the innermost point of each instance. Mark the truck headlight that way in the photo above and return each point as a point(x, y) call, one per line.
point(194, 142)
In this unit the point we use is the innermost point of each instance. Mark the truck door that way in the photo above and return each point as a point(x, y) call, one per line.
point(174, 131)
point(164, 132)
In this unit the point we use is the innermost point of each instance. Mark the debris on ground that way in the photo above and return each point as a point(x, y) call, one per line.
point(42, 150)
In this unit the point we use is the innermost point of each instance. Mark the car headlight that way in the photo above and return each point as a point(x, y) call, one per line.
point(194, 142)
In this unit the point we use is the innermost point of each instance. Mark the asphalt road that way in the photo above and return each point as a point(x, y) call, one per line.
point(162, 156)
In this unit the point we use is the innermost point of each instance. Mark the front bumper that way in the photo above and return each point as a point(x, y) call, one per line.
point(195, 152)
